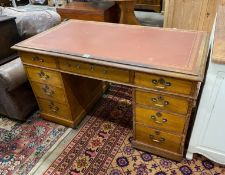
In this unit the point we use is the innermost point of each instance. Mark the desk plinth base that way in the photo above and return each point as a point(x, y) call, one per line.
point(157, 151)
point(59, 120)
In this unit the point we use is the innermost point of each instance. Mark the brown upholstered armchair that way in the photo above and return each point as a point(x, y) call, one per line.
point(16, 97)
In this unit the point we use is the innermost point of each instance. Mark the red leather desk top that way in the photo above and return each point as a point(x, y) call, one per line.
point(164, 49)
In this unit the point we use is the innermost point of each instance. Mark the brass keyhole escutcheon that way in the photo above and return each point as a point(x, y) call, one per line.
point(92, 67)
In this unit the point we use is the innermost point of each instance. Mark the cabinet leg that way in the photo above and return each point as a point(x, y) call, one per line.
point(189, 155)
point(127, 15)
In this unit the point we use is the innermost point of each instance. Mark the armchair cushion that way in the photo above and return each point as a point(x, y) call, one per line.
point(12, 75)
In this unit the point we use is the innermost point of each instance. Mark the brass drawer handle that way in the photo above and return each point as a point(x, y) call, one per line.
point(48, 91)
point(160, 102)
point(37, 58)
point(157, 140)
point(161, 140)
point(43, 76)
point(160, 83)
point(105, 71)
point(158, 115)
point(53, 107)
point(78, 66)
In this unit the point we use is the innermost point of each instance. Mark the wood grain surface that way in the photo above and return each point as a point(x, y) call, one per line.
point(219, 41)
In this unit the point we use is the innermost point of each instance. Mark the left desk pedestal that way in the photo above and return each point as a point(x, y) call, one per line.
point(62, 98)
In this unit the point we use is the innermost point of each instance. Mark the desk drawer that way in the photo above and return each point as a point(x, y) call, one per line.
point(53, 108)
point(160, 120)
point(165, 83)
point(158, 138)
point(44, 76)
point(49, 92)
point(94, 70)
point(164, 102)
point(39, 60)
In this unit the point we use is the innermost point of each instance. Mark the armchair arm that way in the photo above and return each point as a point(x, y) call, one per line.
point(12, 75)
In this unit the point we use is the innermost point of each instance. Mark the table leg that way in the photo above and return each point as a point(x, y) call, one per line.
point(127, 15)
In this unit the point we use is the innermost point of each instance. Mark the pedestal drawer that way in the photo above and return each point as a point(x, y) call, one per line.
point(37, 59)
point(160, 120)
point(94, 70)
point(50, 107)
point(44, 76)
point(161, 101)
point(165, 83)
point(158, 138)
point(49, 92)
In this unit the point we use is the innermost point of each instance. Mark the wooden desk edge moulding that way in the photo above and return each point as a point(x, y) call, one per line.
point(160, 119)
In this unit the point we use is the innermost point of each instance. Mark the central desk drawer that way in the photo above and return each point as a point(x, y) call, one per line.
point(53, 108)
point(160, 120)
point(167, 84)
point(39, 60)
point(49, 92)
point(164, 102)
point(94, 70)
point(158, 139)
point(44, 76)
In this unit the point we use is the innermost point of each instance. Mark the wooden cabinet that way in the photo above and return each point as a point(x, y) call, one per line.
point(155, 5)
point(9, 36)
point(208, 133)
point(190, 14)
point(102, 11)
point(5, 3)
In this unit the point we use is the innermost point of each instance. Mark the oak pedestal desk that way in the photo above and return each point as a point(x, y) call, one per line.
point(66, 65)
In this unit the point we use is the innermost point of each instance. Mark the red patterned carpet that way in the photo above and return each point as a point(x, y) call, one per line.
point(103, 146)
point(23, 145)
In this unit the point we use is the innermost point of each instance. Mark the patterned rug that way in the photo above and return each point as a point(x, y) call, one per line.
point(103, 146)
point(23, 145)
